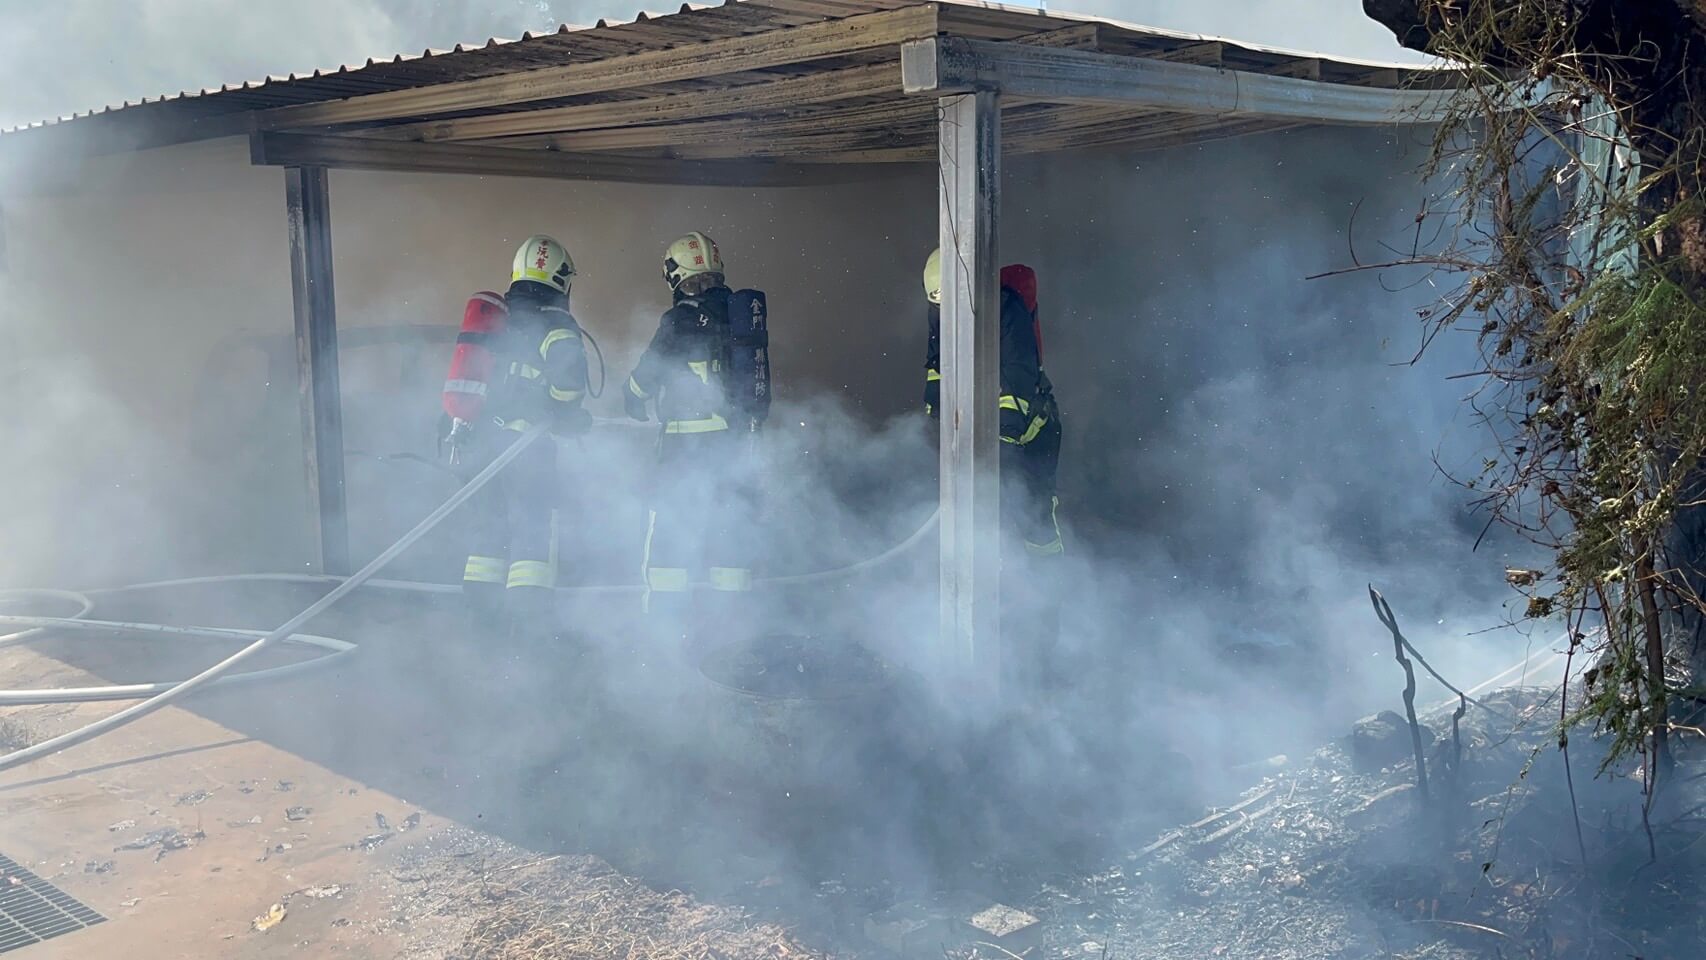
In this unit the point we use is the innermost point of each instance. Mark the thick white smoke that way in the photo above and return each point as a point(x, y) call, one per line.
point(1245, 449)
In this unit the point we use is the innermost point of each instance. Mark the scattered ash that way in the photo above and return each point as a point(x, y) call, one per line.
point(371, 841)
point(166, 838)
point(1324, 862)
point(783, 666)
point(469, 896)
point(15, 734)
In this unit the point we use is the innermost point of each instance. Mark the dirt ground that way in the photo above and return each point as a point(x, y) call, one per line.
point(190, 837)
point(350, 830)
point(1321, 860)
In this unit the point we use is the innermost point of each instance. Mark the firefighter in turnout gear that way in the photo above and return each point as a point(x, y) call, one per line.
point(1030, 452)
point(535, 370)
point(707, 371)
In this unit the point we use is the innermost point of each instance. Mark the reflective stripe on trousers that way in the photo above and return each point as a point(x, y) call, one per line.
point(483, 570)
point(531, 573)
point(1054, 547)
point(731, 579)
point(537, 573)
point(658, 579)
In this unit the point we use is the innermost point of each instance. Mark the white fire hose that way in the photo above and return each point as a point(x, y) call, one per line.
point(159, 694)
point(218, 670)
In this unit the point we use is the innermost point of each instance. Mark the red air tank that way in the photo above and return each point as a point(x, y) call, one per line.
point(1022, 280)
point(471, 365)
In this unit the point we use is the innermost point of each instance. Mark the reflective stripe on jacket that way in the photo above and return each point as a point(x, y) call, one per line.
point(544, 368)
point(684, 365)
point(1027, 398)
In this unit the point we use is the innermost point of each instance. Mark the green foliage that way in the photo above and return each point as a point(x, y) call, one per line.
point(1595, 360)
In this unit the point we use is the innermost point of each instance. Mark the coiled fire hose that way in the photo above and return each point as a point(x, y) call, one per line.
point(159, 694)
point(220, 669)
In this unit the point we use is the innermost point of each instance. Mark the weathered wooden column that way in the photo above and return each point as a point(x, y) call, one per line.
point(308, 208)
point(970, 161)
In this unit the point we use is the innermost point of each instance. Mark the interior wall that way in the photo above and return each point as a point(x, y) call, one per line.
point(127, 453)
point(148, 297)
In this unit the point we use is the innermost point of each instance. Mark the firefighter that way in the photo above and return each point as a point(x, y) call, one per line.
point(707, 371)
point(1030, 450)
point(534, 369)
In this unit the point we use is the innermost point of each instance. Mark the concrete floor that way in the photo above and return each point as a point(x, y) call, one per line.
point(65, 815)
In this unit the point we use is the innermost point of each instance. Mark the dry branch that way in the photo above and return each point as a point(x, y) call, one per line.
point(1384, 612)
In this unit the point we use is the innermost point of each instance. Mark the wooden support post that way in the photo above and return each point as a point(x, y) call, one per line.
point(307, 206)
point(970, 158)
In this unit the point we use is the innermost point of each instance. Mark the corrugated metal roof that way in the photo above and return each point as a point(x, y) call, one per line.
point(606, 38)
point(400, 71)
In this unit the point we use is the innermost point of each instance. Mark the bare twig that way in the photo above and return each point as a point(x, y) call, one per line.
point(996, 946)
point(1240, 805)
point(1166, 839)
point(1466, 925)
point(1242, 822)
point(1457, 738)
point(1384, 612)
point(1374, 801)
point(1564, 743)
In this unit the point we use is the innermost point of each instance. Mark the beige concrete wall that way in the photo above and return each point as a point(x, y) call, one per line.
point(147, 292)
point(151, 434)
point(122, 275)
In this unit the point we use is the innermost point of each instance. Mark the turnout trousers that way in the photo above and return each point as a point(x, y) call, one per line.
point(1031, 577)
point(512, 556)
point(698, 528)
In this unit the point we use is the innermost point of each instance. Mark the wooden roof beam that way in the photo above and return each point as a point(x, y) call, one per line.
point(948, 65)
point(360, 153)
point(691, 61)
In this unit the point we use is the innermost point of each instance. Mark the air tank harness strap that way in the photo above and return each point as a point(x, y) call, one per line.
point(710, 424)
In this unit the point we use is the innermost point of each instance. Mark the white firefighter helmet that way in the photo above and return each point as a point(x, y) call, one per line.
point(690, 256)
point(933, 276)
point(543, 260)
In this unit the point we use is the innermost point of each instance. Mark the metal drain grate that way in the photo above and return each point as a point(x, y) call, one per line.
point(33, 910)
